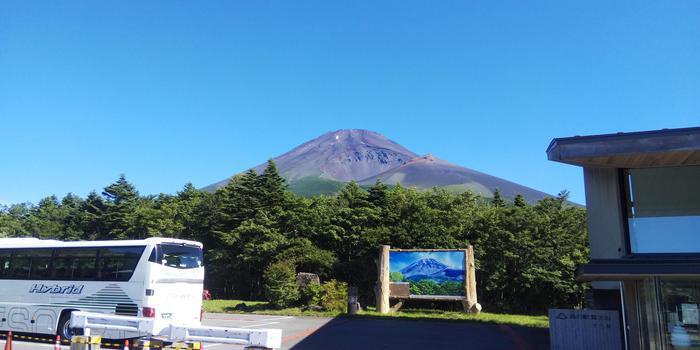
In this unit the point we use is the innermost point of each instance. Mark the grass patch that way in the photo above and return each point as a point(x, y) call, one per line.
point(484, 317)
point(263, 308)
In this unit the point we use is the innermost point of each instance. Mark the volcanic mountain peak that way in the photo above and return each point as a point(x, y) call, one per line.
point(425, 266)
point(324, 164)
point(342, 155)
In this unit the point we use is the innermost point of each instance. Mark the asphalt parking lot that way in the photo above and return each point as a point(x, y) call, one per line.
point(294, 329)
point(318, 333)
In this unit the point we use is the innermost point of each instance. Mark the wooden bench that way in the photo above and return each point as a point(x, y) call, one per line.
point(401, 291)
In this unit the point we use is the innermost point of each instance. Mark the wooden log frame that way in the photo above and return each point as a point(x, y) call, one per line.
point(382, 288)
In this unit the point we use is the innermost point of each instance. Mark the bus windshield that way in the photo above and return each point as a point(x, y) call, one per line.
point(179, 256)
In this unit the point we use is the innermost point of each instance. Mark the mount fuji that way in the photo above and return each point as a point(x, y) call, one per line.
point(432, 269)
point(327, 163)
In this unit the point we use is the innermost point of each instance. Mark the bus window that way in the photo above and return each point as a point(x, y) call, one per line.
point(118, 263)
point(41, 263)
point(75, 264)
point(180, 256)
point(5, 255)
point(20, 264)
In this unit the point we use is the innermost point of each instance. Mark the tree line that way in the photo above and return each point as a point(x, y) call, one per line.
point(526, 254)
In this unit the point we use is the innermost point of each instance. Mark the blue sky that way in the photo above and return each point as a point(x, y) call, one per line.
point(170, 92)
point(399, 260)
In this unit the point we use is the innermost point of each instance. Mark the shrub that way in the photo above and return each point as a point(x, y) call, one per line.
point(280, 285)
point(334, 296)
point(311, 294)
point(396, 277)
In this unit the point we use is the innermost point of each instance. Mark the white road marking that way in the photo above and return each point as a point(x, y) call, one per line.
point(260, 324)
point(277, 318)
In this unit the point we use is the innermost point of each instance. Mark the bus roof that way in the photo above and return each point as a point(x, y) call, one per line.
point(29, 242)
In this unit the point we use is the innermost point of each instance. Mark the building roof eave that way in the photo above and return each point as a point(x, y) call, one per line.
point(666, 147)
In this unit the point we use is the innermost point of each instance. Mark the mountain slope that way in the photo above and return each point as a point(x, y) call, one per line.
point(429, 171)
point(325, 164)
point(425, 266)
point(342, 155)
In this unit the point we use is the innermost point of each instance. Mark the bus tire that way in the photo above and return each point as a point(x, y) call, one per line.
point(64, 329)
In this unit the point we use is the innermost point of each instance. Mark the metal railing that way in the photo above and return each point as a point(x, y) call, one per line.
point(257, 338)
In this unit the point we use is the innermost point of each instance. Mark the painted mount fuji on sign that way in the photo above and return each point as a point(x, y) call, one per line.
point(432, 269)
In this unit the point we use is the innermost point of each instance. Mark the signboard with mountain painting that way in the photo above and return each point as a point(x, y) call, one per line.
point(429, 272)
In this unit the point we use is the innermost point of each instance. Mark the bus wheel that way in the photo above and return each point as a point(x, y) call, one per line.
point(64, 328)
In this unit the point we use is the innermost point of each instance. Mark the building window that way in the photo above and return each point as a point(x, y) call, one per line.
point(668, 313)
point(664, 210)
point(679, 304)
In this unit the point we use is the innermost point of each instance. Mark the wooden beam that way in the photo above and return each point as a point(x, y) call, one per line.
point(382, 289)
point(427, 250)
point(467, 301)
point(474, 305)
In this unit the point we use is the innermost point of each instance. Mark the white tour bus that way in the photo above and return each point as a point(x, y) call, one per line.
point(42, 281)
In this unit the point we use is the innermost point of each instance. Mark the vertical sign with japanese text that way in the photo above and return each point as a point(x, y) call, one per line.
point(584, 329)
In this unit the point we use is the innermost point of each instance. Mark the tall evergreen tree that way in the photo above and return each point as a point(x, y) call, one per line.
point(121, 198)
point(94, 208)
point(47, 219)
point(498, 200)
point(378, 193)
point(271, 186)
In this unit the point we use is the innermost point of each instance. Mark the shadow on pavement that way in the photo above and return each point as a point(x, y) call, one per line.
point(371, 333)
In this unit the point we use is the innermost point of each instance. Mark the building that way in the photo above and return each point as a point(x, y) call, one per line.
point(643, 202)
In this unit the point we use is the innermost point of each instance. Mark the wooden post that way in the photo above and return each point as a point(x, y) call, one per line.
point(466, 303)
point(474, 306)
point(382, 288)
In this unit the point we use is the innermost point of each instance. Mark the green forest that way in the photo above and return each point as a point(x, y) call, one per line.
point(526, 254)
point(429, 287)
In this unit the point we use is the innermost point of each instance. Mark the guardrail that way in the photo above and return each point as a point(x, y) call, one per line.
point(266, 338)
point(257, 338)
point(91, 320)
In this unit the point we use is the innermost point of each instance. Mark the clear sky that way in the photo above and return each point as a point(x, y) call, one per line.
point(169, 92)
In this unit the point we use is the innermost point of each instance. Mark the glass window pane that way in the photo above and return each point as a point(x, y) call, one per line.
point(180, 256)
point(679, 302)
point(666, 191)
point(665, 210)
point(41, 263)
point(5, 255)
point(20, 265)
point(75, 264)
point(118, 263)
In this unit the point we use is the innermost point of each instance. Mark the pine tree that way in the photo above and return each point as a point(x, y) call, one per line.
point(271, 186)
point(378, 193)
point(46, 220)
point(497, 200)
point(121, 191)
point(121, 199)
point(519, 201)
point(94, 209)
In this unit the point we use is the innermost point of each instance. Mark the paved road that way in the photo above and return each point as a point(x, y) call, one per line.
point(316, 333)
point(294, 329)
